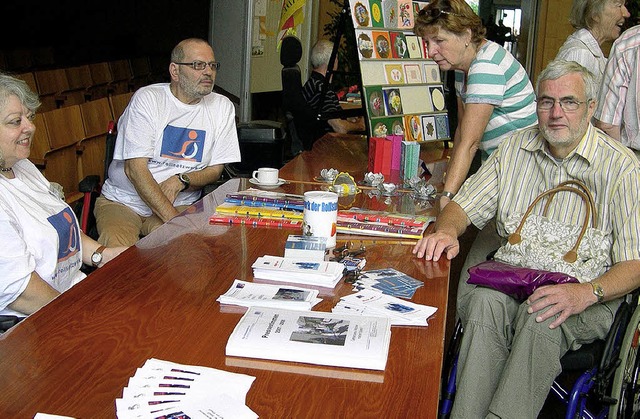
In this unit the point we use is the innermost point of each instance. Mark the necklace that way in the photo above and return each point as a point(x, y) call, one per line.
point(6, 169)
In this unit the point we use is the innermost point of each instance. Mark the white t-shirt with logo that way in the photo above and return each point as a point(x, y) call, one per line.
point(176, 137)
point(39, 232)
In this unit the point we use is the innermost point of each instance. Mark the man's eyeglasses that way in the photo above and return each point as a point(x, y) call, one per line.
point(434, 13)
point(201, 65)
point(567, 105)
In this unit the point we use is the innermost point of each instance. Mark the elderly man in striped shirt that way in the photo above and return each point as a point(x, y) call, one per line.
point(510, 352)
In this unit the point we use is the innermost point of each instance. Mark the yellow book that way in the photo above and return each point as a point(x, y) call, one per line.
point(266, 212)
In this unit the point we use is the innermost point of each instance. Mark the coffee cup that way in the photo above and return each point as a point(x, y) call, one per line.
point(320, 215)
point(266, 176)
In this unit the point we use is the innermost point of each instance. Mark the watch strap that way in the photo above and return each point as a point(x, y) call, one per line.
point(98, 251)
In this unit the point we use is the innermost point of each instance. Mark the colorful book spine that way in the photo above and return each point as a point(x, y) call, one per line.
point(382, 218)
point(383, 230)
point(255, 198)
point(269, 212)
point(255, 221)
point(252, 203)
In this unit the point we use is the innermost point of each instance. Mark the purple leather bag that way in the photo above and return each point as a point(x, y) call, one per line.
point(515, 281)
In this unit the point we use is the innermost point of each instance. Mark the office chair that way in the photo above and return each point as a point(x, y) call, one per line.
point(302, 120)
point(608, 371)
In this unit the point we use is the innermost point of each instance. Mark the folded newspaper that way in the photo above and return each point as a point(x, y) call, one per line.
point(312, 337)
point(249, 294)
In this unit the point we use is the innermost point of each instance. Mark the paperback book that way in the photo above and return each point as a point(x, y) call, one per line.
point(340, 340)
point(269, 212)
point(249, 294)
point(257, 198)
point(248, 220)
point(305, 247)
point(364, 228)
point(319, 273)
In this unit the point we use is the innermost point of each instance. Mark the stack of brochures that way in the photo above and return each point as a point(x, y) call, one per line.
point(169, 390)
point(312, 337)
point(310, 272)
point(388, 281)
point(373, 303)
point(305, 247)
point(249, 294)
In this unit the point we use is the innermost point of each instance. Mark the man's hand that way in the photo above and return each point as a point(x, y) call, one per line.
point(563, 300)
point(171, 187)
point(434, 245)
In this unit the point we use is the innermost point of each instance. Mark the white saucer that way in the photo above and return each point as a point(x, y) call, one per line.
point(271, 185)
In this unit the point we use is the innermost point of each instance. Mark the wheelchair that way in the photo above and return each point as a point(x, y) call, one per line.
point(608, 383)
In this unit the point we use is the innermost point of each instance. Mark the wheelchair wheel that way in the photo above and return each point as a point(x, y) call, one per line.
point(626, 382)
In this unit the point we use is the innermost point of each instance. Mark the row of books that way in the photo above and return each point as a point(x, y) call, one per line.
point(274, 209)
point(392, 153)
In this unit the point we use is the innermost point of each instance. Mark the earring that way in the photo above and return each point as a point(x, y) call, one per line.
point(466, 45)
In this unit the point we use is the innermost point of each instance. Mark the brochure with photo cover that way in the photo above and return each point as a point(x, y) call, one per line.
point(247, 294)
point(340, 340)
point(313, 272)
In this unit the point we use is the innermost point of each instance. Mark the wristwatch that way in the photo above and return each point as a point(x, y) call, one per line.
point(448, 194)
point(184, 178)
point(597, 291)
point(96, 257)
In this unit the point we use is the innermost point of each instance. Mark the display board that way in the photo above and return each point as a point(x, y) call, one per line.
point(402, 88)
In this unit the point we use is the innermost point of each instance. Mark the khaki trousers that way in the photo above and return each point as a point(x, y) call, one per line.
point(119, 225)
point(507, 360)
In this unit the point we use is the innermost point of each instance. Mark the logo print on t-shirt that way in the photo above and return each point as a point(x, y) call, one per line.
point(68, 234)
point(182, 144)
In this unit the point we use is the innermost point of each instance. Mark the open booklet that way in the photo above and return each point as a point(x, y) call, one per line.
point(312, 337)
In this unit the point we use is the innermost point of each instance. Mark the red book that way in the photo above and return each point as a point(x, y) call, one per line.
point(387, 151)
point(375, 154)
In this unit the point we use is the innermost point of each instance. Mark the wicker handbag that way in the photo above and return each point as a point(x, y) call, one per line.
point(538, 242)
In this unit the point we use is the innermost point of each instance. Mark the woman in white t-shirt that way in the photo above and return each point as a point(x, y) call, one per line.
point(41, 245)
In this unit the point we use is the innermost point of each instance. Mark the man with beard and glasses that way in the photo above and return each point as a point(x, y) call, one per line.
point(173, 139)
point(510, 352)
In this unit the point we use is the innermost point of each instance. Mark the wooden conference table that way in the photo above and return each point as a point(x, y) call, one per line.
point(157, 300)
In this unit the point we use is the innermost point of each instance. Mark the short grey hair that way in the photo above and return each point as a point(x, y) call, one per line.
point(558, 68)
point(584, 13)
point(12, 86)
point(321, 53)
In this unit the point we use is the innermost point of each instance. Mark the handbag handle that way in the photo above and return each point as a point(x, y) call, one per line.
point(594, 214)
point(572, 255)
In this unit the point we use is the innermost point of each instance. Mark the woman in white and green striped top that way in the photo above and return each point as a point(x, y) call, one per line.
point(494, 94)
